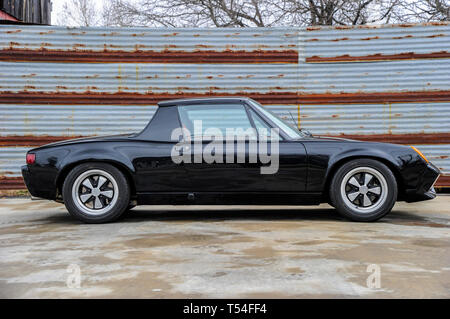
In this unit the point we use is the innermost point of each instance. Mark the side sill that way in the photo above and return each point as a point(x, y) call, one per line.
point(228, 198)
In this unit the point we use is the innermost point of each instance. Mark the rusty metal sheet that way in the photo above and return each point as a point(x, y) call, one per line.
point(377, 43)
point(147, 78)
point(29, 124)
point(149, 45)
point(410, 120)
point(11, 183)
point(135, 84)
point(54, 83)
point(416, 76)
point(26, 125)
point(122, 98)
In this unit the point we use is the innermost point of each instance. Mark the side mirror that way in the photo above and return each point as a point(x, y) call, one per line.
point(305, 132)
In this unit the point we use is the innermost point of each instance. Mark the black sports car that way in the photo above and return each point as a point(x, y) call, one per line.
point(225, 151)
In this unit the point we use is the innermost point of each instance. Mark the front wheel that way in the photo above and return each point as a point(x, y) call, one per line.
point(363, 190)
point(96, 193)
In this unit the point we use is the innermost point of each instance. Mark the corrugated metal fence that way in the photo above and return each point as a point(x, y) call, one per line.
point(384, 83)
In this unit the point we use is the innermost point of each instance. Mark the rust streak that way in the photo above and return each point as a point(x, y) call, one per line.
point(414, 138)
point(340, 39)
point(379, 57)
point(365, 26)
point(139, 56)
point(32, 140)
point(278, 97)
point(402, 37)
point(124, 98)
point(11, 183)
point(377, 97)
point(436, 35)
point(370, 38)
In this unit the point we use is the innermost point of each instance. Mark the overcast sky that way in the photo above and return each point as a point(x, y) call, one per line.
point(57, 8)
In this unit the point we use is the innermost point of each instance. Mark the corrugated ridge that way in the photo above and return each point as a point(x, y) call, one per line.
point(147, 45)
point(355, 44)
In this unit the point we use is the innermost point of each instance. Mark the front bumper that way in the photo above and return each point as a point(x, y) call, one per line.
point(425, 188)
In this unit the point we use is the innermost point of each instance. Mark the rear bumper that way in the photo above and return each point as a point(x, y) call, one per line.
point(35, 186)
point(425, 189)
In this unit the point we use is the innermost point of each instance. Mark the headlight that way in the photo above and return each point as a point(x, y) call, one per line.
point(420, 153)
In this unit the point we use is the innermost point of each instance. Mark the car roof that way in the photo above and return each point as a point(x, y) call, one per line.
point(211, 100)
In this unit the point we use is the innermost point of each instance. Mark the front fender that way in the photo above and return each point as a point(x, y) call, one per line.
point(325, 157)
point(335, 159)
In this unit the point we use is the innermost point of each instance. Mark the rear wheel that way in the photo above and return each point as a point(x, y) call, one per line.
point(363, 190)
point(96, 193)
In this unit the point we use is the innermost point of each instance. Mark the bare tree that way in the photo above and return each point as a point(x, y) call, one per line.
point(266, 13)
point(195, 13)
point(424, 11)
point(249, 13)
point(79, 13)
point(342, 12)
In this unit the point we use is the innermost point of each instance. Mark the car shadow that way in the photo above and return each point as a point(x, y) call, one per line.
point(212, 215)
point(142, 215)
point(233, 214)
point(319, 214)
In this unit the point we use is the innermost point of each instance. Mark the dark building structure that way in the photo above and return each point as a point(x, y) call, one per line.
point(26, 11)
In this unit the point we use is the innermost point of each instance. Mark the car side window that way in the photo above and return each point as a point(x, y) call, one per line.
point(230, 121)
point(264, 130)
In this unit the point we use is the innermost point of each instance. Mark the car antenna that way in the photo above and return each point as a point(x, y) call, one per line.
point(292, 117)
point(303, 131)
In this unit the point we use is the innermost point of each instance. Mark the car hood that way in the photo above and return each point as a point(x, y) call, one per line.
point(373, 145)
point(333, 139)
point(108, 138)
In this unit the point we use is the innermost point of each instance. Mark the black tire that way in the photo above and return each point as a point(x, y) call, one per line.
point(110, 212)
point(342, 190)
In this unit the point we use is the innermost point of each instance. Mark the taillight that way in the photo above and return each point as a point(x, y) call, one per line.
point(31, 158)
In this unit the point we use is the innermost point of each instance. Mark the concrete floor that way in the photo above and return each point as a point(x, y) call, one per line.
point(166, 252)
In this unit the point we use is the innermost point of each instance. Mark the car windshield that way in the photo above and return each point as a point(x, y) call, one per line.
point(290, 130)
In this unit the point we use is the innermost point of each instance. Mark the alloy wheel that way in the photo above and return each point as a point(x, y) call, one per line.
point(364, 189)
point(95, 192)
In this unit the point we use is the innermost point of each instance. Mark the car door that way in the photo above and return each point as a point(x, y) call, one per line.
point(221, 143)
point(291, 175)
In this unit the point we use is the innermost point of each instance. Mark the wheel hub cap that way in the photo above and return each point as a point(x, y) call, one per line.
point(364, 189)
point(95, 192)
